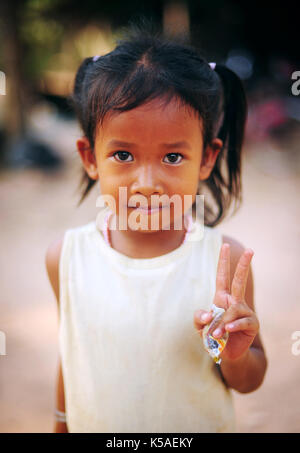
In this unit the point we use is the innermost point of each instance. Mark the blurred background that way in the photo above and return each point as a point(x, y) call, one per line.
point(42, 42)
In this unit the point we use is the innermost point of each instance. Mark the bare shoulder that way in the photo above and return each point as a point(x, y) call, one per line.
point(52, 264)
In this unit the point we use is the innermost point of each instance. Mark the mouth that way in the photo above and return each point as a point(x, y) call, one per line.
point(147, 210)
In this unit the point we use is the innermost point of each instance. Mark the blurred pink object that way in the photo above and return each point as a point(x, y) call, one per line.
point(265, 116)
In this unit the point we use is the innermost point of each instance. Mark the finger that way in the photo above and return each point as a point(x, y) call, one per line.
point(201, 318)
point(221, 299)
point(216, 323)
point(233, 313)
point(248, 324)
point(239, 281)
point(223, 270)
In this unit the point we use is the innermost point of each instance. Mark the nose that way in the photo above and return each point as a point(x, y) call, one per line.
point(146, 182)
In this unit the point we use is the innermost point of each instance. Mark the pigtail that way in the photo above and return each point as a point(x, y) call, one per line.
point(231, 132)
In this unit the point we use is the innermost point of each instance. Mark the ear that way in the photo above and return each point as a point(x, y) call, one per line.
point(87, 157)
point(209, 157)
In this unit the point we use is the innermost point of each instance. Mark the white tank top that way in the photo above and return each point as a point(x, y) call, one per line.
point(131, 357)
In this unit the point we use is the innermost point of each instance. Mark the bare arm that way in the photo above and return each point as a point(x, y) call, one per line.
point(52, 265)
point(244, 363)
point(245, 374)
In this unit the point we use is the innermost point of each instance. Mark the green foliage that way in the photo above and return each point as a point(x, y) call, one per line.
point(40, 34)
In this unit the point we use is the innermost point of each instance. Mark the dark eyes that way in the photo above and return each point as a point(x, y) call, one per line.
point(173, 157)
point(123, 155)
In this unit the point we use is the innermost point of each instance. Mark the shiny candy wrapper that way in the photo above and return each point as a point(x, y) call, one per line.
point(214, 346)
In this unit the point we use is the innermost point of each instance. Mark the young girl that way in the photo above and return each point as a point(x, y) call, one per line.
point(157, 120)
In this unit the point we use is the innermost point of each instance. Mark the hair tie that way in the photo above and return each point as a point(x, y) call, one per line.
point(95, 58)
point(212, 65)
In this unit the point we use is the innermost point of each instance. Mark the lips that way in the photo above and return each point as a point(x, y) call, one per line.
point(153, 208)
point(148, 210)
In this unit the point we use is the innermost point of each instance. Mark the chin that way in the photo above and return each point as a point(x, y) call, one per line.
point(143, 222)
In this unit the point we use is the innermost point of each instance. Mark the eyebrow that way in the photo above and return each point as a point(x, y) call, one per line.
point(176, 145)
point(120, 143)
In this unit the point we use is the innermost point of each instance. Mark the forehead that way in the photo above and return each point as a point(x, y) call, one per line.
point(154, 121)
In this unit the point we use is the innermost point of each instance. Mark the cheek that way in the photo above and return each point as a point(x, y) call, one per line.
point(108, 177)
point(189, 186)
point(188, 179)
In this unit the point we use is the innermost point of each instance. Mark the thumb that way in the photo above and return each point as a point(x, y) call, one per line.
point(201, 318)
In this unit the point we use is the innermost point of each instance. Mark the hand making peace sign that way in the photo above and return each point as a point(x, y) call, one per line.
point(239, 320)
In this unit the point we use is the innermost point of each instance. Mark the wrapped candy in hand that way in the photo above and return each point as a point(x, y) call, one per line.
point(214, 346)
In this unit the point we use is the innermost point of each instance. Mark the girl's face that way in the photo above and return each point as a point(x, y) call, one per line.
point(153, 149)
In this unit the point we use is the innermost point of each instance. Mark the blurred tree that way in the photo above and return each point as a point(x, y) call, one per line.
point(14, 117)
point(17, 147)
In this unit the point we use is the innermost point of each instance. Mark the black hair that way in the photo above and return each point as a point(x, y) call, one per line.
point(146, 65)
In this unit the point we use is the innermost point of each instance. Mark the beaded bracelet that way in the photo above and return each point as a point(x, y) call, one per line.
point(60, 416)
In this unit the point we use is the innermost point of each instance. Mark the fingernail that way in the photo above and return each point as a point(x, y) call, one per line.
point(205, 316)
point(217, 332)
point(230, 326)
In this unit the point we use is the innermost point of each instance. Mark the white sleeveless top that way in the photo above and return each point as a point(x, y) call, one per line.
point(131, 357)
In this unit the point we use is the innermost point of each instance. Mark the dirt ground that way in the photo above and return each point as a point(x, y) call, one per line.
point(36, 208)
